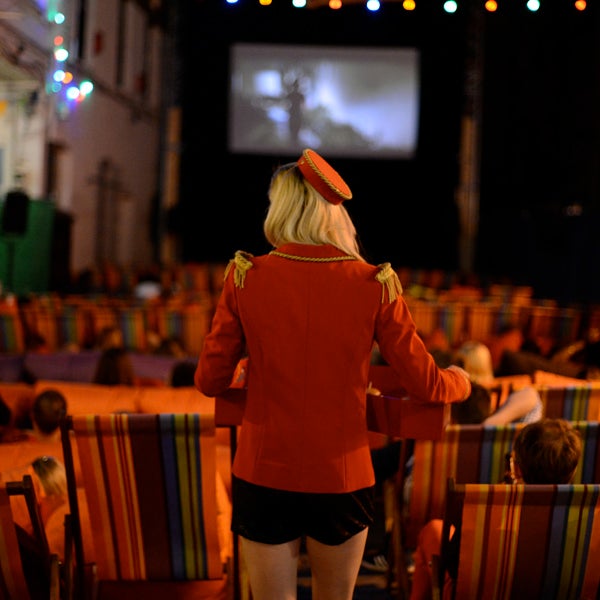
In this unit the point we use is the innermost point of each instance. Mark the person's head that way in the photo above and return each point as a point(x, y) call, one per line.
point(306, 206)
point(182, 374)
point(51, 474)
point(475, 358)
point(475, 409)
point(110, 337)
point(547, 451)
point(48, 408)
point(114, 368)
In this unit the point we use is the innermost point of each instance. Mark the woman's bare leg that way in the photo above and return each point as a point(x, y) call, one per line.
point(272, 569)
point(335, 568)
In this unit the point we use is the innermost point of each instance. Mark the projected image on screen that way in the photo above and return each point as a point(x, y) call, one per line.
point(346, 102)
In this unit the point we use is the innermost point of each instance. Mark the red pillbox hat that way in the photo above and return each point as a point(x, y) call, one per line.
point(323, 177)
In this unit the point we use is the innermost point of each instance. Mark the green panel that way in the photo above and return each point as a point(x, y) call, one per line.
point(25, 259)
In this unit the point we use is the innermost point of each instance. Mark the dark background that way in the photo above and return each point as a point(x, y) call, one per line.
point(539, 154)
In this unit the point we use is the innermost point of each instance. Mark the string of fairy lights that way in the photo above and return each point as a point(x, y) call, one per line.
point(62, 81)
point(449, 6)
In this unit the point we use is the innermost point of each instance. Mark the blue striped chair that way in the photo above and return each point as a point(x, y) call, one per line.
point(520, 541)
point(150, 488)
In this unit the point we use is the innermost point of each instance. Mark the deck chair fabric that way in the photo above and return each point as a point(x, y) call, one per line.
point(468, 453)
point(476, 454)
point(20, 580)
point(150, 487)
point(523, 541)
point(571, 402)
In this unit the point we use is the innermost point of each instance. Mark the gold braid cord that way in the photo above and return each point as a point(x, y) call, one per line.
point(242, 262)
point(312, 258)
point(389, 281)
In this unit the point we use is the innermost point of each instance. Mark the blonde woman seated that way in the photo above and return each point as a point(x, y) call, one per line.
point(521, 406)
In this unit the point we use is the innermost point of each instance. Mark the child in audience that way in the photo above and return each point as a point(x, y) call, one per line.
point(546, 451)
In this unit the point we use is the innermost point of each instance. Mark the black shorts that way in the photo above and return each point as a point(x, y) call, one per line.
point(272, 516)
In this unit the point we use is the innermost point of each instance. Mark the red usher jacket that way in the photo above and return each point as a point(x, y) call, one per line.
point(307, 316)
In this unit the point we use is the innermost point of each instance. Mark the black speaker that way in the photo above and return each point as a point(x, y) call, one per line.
point(16, 208)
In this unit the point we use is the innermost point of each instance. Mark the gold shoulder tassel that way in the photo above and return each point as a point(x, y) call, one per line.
point(389, 280)
point(242, 262)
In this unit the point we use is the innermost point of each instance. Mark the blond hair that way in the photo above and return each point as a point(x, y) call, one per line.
point(476, 359)
point(299, 214)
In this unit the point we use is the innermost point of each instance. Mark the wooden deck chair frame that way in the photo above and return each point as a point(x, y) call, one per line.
point(519, 540)
point(149, 482)
point(13, 583)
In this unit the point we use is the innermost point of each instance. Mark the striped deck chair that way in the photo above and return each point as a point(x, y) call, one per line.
point(521, 541)
point(589, 463)
point(467, 453)
point(14, 584)
point(571, 402)
point(133, 324)
point(12, 336)
point(150, 488)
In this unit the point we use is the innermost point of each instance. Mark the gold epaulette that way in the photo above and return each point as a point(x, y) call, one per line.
point(389, 281)
point(242, 262)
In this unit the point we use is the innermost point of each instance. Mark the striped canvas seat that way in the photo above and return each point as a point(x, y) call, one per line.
point(150, 489)
point(468, 453)
point(522, 541)
point(571, 402)
point(588, 470)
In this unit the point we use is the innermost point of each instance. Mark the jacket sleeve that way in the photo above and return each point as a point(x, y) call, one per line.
point(403, 349)
point(223, 346)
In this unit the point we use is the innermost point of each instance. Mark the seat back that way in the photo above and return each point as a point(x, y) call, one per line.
point(467, 453)
point(571, 402)
point(525, 541)
point(150, 486)
point(476, 454)
point(13, 578)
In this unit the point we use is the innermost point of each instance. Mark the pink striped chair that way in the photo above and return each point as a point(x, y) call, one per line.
point(150, 489)
point(520, 541)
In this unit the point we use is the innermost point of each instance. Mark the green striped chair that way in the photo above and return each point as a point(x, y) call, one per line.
point(468, 453)
point(150, 489)
point(475, 454)
point(520, 541)
point(571, 402)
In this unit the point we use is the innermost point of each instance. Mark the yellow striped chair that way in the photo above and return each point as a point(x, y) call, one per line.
point(467, 453)
point(571, 402)
point(150, 489)
point(475, 454)
point(520, 541)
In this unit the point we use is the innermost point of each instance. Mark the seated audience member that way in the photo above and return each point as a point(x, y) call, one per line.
point(546, 451)
point(109, 337)
point(50, 483)
point(114, 368)
point(48, 407)
point(523, 405)
point(476, 359)
point(8, 431)
point(182, 374)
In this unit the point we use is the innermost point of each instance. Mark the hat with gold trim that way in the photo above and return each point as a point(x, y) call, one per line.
point(323, 177)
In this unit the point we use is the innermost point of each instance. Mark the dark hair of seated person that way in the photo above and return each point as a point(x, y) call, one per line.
point(48, 408)
point(114, 367)
point(475, 409)
point(182, 374)
point(548, 451)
